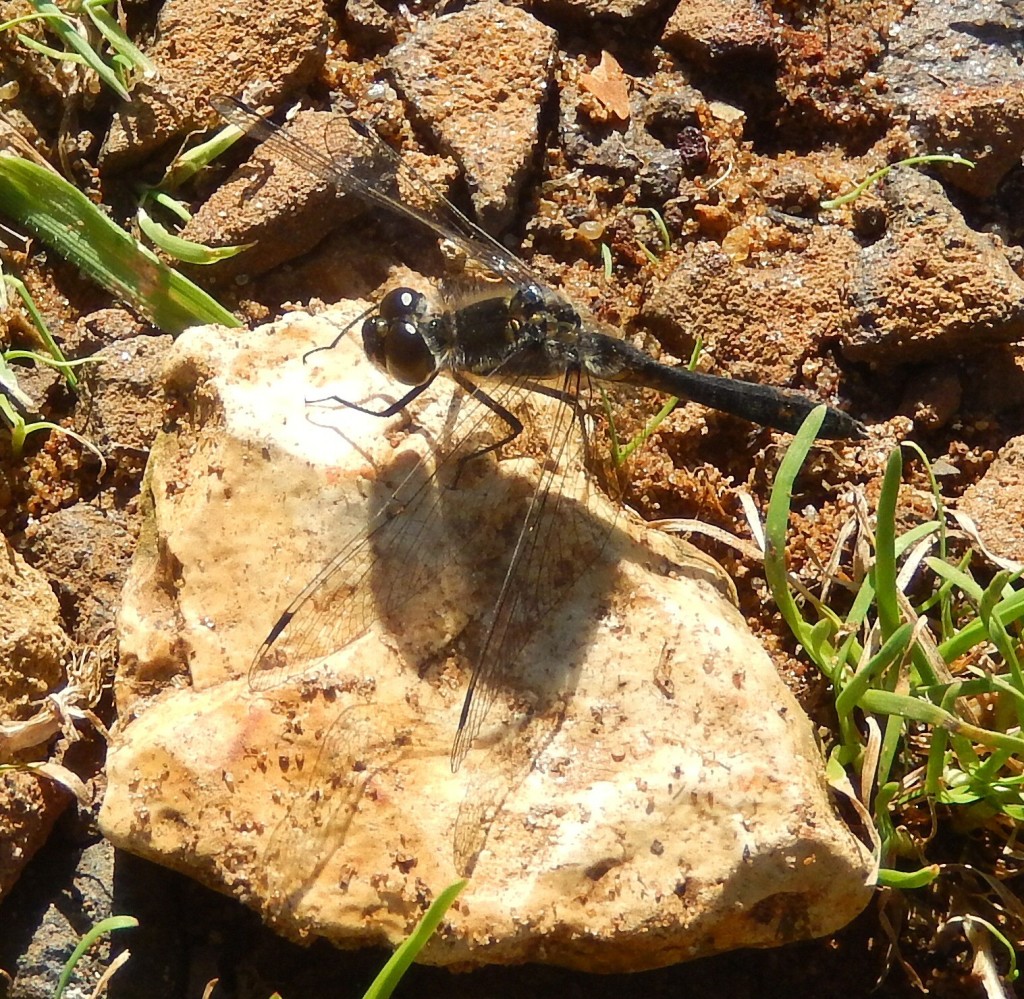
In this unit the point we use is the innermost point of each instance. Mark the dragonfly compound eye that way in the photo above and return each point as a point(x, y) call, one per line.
point(375, 332)
point(403, 302)
point(407, 357)
point(393, 338)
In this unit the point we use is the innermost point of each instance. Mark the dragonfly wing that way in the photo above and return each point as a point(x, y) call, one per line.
point(377, 180)
point(557, 542)
point(338, 605)
point(397, 560)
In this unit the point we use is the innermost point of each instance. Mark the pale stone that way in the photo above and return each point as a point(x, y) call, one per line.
point(645, 790)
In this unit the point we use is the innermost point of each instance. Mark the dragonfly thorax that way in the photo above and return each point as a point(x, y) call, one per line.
point(534, 305)
point(393, 338)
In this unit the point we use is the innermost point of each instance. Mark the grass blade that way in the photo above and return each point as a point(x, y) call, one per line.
point(185, 249)
point(776, 525)
point(104, 926)
point(65, 29)
point(390, 975)
point(68, 222)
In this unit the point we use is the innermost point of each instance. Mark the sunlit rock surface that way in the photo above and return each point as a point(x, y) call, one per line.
point(644, 790)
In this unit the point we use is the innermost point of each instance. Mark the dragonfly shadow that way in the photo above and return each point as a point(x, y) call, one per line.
point(429, 575)
point(325, 798)
point(440, 576)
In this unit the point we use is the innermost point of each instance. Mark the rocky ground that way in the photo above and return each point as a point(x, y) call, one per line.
point(561, 127)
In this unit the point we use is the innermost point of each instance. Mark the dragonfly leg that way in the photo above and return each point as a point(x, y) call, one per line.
point(395, 407)
point(510, 420)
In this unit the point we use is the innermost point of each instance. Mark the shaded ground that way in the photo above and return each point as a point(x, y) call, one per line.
point(175, 956)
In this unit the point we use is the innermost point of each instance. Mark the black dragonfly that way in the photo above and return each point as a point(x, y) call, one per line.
point(520, 337)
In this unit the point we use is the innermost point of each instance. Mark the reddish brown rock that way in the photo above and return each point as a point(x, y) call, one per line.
point(759, 322)
point(478, 78)
point(931, 287)
point(981, 124)
point(731, 28)
point(203, 49)
point(275, 208)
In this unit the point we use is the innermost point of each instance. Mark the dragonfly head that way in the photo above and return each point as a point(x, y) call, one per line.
point(393, 338)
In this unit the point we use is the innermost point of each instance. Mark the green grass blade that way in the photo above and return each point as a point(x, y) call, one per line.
point(49, 51)
point(186, 165)
point(16, 424)
point(68, 222)
point(659, 222)
point(935, 768)
point(970, 922)
point(962, 580)
point(169, 203)
point(184, 249)
point(21, 19)
point(885, 570)
point(1008, 611)
point(879, 174)
point(777, 525)
point(390, 975)
point(118, 40)
point(908, 879)
point(59, 360)
point(64, 28)
point(620, 455)
point(894, 647)
point(903, 706)
point(104, 926)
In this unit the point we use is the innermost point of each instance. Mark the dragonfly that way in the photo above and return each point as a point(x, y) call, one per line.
point(519, 337)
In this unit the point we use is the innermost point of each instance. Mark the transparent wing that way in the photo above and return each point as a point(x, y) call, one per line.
point(397, 561)
point(557, 542)
point(324, 800)
point(374, 184)
point(383, 567)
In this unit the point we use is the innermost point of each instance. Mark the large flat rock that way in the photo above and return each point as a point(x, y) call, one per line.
point(644, 788)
